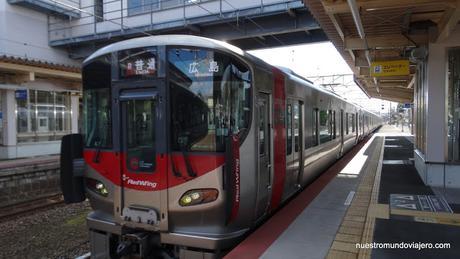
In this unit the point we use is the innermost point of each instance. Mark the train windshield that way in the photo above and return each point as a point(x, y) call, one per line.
point(96, 103)
point(210, 98)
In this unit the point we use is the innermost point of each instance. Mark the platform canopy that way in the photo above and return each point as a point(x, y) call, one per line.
point(382, 41)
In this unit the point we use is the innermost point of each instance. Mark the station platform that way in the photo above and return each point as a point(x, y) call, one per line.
point(370, 204)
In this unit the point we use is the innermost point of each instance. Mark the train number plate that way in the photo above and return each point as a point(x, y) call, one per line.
point(140, 215)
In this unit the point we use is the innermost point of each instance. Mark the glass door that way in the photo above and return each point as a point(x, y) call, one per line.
point(143, 167)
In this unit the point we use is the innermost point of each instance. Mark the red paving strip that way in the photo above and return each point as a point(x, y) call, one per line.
point(261, 239)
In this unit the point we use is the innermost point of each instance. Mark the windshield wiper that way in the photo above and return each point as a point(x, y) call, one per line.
point(97, 155)
point(174, 169)
point(183, 147)
point(188, 166)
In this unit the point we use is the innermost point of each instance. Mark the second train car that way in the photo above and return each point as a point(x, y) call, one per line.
point(190, 142)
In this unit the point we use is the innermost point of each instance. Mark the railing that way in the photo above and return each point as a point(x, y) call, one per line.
point(116, 17)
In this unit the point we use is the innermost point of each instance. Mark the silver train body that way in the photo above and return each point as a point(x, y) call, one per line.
point(190, 143)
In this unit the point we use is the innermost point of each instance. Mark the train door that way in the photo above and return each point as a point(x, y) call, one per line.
point(264, 151)
point(298, 141)
point(293, 146)
point(143, 161)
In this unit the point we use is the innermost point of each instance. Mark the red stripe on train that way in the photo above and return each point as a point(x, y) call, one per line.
point(109, 166)
point(279, 102)
point(236, 177)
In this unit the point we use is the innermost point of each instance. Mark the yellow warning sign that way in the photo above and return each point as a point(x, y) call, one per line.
point(390, 68)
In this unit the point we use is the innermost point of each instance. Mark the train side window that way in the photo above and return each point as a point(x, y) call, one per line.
point(334, 125)
point(346, 123)
point(296, 122)
point(261, 131)
point(353, 123)
point(315, 123)
point(289, 129)
point(331, 124)
point(324, 127)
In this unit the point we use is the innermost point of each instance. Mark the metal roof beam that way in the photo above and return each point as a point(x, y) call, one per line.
point(334, 7)
point(448, 23)
point(384, 41)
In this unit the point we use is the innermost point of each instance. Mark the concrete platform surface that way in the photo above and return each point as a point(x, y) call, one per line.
point(347, 207)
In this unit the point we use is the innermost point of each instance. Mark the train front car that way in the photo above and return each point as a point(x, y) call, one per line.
point(162, 129)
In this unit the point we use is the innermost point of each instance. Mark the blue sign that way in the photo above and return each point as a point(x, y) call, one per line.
point(21, 94)
point(408, 105)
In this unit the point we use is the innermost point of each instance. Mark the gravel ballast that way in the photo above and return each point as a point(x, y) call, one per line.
point(58, 232)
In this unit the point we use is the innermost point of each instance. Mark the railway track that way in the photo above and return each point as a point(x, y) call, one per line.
point(18, 209)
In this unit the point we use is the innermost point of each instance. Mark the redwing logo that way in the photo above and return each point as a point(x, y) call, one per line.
point(140, 182)
point(237, 180)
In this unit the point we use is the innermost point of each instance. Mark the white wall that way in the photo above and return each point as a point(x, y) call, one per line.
point(436, 128)
point(432, 166)
point(24, 33)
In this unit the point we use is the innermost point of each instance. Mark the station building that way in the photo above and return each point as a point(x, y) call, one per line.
point(39, 86)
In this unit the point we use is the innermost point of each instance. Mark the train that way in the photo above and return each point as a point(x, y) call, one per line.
point(189, 143)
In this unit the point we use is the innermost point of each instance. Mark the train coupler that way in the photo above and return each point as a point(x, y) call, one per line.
point(137, 245)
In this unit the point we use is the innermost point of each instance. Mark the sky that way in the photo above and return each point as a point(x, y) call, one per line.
point(322, 59)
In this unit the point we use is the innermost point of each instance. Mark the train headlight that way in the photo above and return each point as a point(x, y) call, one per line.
point(198, 196)
point(100, 187)
point(97, 187)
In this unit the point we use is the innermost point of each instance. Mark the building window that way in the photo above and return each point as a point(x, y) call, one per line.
point(42, 115)
point(142, 6)
point(145, 6)
point(99, 10)
point(453, 101)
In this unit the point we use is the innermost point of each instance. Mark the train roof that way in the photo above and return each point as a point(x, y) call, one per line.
point(170, 39)
point(197, 41)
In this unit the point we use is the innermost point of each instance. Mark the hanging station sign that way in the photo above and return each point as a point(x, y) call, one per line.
point(390, 68)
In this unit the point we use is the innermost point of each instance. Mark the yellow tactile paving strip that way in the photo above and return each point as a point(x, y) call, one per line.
point(356, 226)
point(429, 217)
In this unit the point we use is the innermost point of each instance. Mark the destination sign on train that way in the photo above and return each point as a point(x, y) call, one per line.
point(138, 63)
point(202, 67)
point(141, 66)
